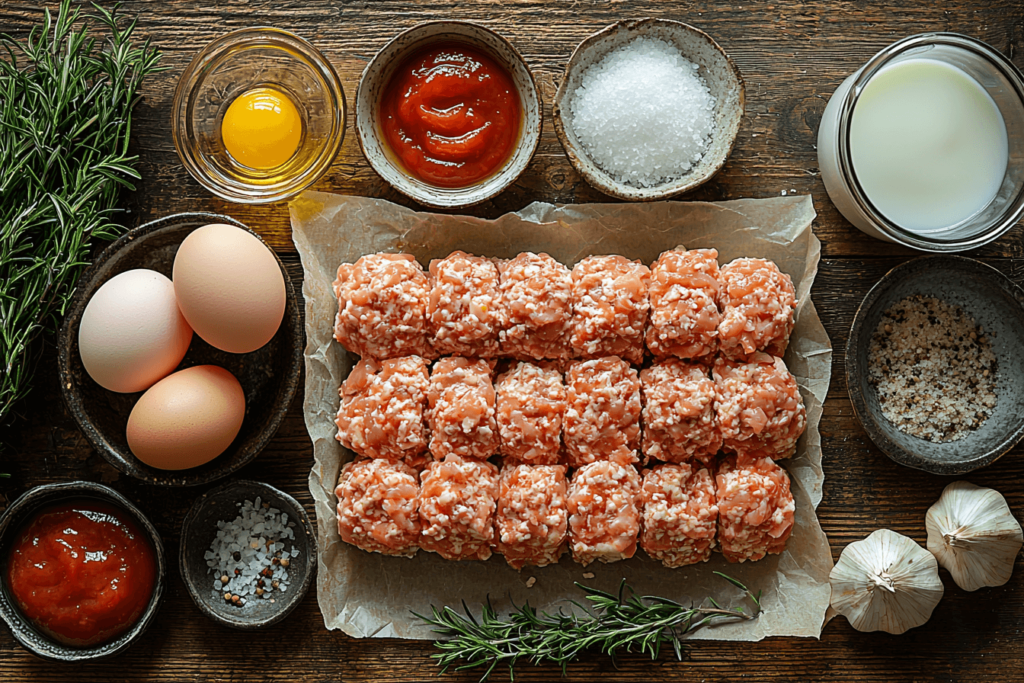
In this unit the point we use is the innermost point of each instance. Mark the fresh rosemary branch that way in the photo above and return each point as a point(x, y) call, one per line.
point(65, 118)
point(612, 623)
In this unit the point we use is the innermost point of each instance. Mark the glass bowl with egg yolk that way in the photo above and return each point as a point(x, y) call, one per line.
point(258, 116)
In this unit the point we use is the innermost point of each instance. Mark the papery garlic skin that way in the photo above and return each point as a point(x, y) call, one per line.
point(974, 536)
point(886, 582)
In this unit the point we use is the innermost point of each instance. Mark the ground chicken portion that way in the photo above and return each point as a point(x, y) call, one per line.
point(382, 406)
point(532, 518)
point(684, 291)
point(457, 503)
point(680, 515)
point(679, 422)
point(602, 414)
point(760, 411)
point(536, 291)
point(609, 307)
point(382, 307)
point(464, 311)
point(461, 409)
point(757, 308)
point(531, 403)
point(755, 508)
point(377, 507)
point(604, 518)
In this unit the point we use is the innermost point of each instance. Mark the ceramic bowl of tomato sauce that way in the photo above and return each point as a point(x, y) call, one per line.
point(82, 571)
point(448, 114)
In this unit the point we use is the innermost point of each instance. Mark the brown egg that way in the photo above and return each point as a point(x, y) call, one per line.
point(187, 419)
point(229, 287)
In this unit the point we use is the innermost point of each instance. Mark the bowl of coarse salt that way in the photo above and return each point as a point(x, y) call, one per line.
point(648, 109)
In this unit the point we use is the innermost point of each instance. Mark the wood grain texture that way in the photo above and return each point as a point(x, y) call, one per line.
point(792, 56)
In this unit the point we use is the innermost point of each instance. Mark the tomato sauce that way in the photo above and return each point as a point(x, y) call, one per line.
point(451, 114)
point(81, 572)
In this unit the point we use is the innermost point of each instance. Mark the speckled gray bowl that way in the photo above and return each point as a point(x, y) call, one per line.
point(995, 303)
point(716, 68)
point(375, 78)
point(18, 513)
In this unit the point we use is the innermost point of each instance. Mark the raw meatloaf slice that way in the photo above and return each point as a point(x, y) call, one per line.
point(684, 291)
point(536, 291)
point(755, 508)
point(604, 519)
point(679, 422)
point(602, 414)
point(382, 406)
point(609, 307)
point(461, 411)
point(680, 516)
point(377, 507)
point(382, 307)
point(531, 403)
point(457, 503)
point(532, 518)
point(464, 312)
point(757, 308)
point(760, 411)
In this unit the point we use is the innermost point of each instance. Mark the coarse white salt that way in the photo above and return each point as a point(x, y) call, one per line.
point(643, 113)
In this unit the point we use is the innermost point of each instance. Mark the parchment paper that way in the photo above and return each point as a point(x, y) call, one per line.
point(368, 594)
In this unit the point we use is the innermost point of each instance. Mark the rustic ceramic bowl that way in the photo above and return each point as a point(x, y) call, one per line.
point(716, 68)
point(198, 532)
point(269, 376)
point(995, 303)
point(18, 513)
point(378, 73)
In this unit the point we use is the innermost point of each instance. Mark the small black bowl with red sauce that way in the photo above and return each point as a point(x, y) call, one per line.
point(82, 571)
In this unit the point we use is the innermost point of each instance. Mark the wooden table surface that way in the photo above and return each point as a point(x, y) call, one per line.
point(792, 56)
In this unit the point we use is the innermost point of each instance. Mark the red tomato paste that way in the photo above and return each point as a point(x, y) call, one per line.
point(81, 572)
point(451, 115)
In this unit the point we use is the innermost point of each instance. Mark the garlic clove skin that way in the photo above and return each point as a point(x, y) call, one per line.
point(886, 582)
point(973, 535)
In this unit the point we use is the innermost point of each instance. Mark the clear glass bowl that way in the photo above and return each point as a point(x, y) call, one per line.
point(234, 64)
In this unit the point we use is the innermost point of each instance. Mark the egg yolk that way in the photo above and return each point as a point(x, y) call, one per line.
point(261, 128)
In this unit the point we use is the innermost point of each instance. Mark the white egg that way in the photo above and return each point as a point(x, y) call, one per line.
point(132, 334)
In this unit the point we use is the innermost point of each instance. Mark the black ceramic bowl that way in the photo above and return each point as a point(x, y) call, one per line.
point(995, 303)
point(19, 513)
point(269, 376)
point(198, 532)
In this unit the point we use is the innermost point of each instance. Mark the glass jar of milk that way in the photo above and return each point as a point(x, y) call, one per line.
point(924, 144)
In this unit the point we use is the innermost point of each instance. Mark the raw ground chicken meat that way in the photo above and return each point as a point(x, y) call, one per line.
point(679, 422)
point(683, 292)
point(757, 308)
point(464, 311)
point(760, 411)
point(377, 507)
point(457, 502)
point(680, 516)
point(755, 508)
point(532, 518)
point(536, 292)
point(382, 406)
point(460, 409)
point(609, 307)
point(382, 307)
point(530, 403)
point(604, 519)
point(602, 414)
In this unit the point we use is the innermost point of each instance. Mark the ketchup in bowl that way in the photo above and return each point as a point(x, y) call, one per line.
point(82, 572)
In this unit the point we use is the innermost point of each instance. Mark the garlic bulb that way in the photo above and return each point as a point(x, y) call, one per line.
point(973, 534)
point(886, 582)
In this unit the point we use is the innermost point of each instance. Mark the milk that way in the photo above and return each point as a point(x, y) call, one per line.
point(928, 145)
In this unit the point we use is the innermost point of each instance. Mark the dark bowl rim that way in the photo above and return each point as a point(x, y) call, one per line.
point(72, 397)
point(854, 371)
point(248, 488)
point(39, 496)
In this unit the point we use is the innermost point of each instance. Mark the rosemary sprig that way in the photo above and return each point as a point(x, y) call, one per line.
point(611, 623)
